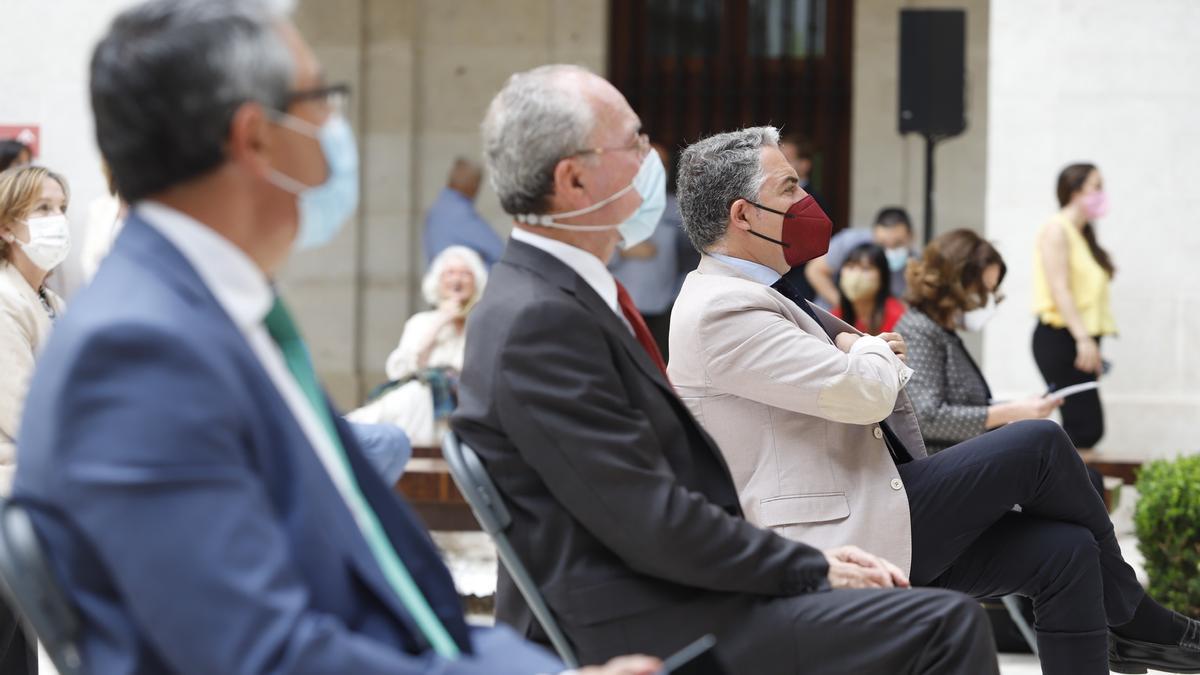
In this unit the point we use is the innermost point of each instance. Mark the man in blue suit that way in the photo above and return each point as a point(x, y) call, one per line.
point(205, 508)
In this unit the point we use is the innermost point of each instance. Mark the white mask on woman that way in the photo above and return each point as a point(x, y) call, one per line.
point(49, 241)
point(976, 319)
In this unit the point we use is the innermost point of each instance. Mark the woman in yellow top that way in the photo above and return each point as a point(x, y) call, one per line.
point(1071, 276)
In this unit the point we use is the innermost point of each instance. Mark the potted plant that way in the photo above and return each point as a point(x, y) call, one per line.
point(1167, 521)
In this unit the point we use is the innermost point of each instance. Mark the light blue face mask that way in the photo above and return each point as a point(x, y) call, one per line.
point(897, 258)
point(650, 182)
point(324, 208)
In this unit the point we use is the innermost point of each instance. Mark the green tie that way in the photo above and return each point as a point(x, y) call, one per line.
point(283, 330)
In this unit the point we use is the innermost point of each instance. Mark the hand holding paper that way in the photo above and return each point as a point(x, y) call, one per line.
point(1063, 393)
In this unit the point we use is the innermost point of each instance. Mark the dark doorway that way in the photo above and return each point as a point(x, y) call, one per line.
point(696, 67)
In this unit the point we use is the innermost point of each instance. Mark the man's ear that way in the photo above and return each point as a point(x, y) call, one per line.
point(250, 139)
point(569, 183)
point(739, 212)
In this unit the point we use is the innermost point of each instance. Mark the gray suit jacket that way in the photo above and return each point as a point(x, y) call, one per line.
point(623, 508)
point(797, 418)
point(949, 392)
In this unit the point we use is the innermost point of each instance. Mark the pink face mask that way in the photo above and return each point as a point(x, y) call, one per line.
point(1095, 204)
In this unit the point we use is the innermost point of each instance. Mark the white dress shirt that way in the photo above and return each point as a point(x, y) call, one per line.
point(245, 294)
point(586, 265)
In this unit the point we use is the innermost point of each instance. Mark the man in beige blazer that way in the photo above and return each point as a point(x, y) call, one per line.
point(823, 444)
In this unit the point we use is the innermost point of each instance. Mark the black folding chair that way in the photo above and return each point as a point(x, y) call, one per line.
point(489, 509)
point(1018, 618)
point(34, 591)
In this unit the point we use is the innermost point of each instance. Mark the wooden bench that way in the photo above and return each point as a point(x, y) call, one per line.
point(429, 489)
point(1126, 471)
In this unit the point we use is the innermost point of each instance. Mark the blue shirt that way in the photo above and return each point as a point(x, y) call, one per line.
point(453, 221)
point(653, 282)
point(756, 271)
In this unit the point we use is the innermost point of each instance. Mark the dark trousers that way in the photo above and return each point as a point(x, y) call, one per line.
point(1082, 416)
point(1060, 549)
point(924, 631)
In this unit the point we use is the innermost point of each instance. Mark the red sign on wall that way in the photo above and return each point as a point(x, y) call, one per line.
point(29, 134)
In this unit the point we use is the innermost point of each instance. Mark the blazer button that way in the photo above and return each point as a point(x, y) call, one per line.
point(897, 484)
point(878, 432)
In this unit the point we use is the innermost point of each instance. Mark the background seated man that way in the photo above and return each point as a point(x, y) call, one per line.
point(824, 445)
point(892, 231)
point(624, 511)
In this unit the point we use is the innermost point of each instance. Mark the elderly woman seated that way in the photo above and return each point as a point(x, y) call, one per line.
point(423, 370)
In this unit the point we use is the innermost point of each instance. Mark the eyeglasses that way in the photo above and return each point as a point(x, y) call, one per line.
point(335, 96)
point(641, 144)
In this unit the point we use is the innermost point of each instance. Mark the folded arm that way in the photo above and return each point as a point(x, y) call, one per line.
point(759, 354)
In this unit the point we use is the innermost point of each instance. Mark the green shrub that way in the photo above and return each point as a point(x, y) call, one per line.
point(1168, 529)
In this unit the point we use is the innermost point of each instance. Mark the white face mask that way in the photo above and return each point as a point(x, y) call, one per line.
point(49, 241)
point(976, 319)
point(650, 182)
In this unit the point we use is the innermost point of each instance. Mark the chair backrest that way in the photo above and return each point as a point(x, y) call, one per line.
point(34, 591)
point(481, 493)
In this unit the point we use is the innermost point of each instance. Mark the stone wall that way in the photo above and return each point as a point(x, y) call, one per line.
point(888, 168)
point(424, 72)
point(1106, 81)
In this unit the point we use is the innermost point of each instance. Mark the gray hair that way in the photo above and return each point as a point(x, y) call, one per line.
point(530, 125)
point(430, 284)
point(715, 172)
point(167, 78)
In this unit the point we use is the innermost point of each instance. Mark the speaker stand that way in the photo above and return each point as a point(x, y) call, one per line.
point(931, 142)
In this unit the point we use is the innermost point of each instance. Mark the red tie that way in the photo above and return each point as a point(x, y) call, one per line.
point(640, 330)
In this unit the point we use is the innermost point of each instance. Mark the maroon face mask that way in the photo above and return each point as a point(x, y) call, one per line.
point(806, 231)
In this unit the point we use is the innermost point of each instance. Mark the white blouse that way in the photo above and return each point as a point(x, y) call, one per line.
point(448, 349)
point(25, 324)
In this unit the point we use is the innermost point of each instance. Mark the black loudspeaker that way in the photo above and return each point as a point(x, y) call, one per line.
point(933, 71)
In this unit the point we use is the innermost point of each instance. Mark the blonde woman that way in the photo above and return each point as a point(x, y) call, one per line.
point(423, 369)
point(34, 239)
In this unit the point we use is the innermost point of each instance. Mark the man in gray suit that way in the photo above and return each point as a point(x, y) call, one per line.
point(624, 510)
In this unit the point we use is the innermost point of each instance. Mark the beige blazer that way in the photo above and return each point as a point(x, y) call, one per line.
point(796, 418)
point(24, 326)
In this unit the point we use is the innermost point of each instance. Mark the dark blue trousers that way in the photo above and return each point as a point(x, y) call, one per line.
point(1060, 549)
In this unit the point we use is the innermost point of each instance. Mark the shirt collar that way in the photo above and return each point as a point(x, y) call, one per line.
point(583, 263)
point(238, 284)
point(752, 270)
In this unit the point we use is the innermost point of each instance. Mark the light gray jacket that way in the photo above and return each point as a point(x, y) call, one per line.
point(796, 418)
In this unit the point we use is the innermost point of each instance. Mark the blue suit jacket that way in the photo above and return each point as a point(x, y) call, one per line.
point(188, 516)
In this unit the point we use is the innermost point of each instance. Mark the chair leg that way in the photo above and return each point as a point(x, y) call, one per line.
point(1018, 618)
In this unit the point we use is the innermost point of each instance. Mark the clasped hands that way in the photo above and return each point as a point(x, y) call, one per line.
point(894, 342)
point(852, 567)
